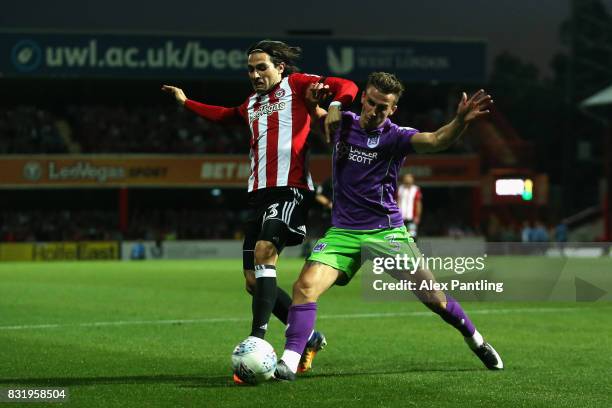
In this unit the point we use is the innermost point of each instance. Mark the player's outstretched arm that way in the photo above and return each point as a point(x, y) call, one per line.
point(344, 92)
point(176, 92)
point(468, 110)
point(210, 112)
point(316, 94)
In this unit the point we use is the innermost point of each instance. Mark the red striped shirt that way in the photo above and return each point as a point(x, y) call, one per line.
point(279, 124)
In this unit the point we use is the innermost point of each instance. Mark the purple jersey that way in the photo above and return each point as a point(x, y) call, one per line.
point(365, 170)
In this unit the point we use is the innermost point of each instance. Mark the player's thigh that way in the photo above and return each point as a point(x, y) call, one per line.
point(283, 218)
point(431, 297)
point(314, 280)
point(397, 241)
point(272, 238)
point(403, 242)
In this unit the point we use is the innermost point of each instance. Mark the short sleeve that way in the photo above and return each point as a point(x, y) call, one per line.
point(404, 139)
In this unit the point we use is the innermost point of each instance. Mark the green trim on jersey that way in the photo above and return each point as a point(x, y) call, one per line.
point(342, 248)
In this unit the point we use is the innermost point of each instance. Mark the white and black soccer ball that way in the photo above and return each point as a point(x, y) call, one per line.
point(254, 360)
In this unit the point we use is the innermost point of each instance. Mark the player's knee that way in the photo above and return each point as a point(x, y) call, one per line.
point(435, 305)
point(264, 250)
point(305, 290)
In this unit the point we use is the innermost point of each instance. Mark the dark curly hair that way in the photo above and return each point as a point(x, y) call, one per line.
point(279, 52)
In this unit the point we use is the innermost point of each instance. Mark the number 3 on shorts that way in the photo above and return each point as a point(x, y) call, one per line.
point(271, 212)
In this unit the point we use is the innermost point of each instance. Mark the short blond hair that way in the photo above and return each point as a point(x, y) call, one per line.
point(386, 83)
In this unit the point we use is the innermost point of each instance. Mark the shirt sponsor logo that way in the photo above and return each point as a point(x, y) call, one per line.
point(267, 110)
point(354, 153)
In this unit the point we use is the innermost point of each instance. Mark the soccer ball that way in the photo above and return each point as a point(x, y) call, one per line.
point(254, 360)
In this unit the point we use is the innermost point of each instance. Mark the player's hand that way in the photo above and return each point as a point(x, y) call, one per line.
point(316, 94)
point(473, 108)
point(332, 121)
point(178, 93)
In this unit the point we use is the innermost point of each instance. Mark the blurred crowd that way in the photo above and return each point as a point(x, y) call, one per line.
point(171, 224)
point(116, 129)
point(82, 225)
point(536, 231)
point(54, 225)
point(26, 129)
point(145, 129)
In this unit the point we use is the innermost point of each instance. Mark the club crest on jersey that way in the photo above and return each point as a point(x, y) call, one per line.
point(373, 141)
point(279, 93)
point(319, 247)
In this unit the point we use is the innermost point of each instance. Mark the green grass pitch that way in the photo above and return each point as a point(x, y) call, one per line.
point(161, 334)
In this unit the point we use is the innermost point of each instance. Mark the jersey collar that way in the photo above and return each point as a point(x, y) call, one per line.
point(273, 89)
point(374, 132)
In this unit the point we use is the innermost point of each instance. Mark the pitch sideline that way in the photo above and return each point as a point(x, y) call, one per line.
point(245, 319)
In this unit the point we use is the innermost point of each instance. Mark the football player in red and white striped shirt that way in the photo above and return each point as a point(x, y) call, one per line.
point(409, 200)
point(280, 186)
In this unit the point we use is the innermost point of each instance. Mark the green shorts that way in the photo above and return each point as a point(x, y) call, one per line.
point(342, 248)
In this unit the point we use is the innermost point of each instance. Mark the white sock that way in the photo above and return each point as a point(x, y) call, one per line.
point(475, 341)
point(292, 359)
point(265, 271)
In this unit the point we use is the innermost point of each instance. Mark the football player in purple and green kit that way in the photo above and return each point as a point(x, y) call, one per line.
point(369, 151)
